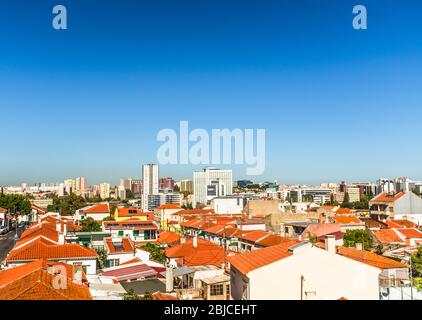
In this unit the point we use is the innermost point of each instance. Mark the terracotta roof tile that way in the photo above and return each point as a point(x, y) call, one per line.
point(206, 253)
point(347, 220)
point(386, 197)
point(247, 262)
point(169, 238)
point(370, 258)
point(32, 281)
point(40, 250)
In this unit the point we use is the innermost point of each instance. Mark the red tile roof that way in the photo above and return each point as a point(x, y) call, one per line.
point(97, 208)
point(32, 281)
point(3, 210)
point(401, 224)
point(370, 258)
point(247, 262)
point(387, 236)
point(347, 220)
point(40, 250)
point(132, 212)
point(254, 235)
point(272, 240)
point(343, 211)
point(206, 253)
point(169, 238)
point(386, 197)
point(410, 233)
point(125, 243)
point(321, 229)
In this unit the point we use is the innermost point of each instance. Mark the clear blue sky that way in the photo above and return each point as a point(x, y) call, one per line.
point(336, 103)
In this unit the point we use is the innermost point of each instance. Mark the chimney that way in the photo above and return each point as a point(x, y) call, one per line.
point(58, 226)
point(195, 241)
point(182, 240)
point(359, 246)
point(169, 279)
point(64, 229)
point(330, 244)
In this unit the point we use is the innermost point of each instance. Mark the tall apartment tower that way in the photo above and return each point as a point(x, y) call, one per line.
point(150, 183)
point(211, 183)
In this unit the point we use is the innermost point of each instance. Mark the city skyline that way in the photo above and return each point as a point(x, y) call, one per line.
point(336, 103)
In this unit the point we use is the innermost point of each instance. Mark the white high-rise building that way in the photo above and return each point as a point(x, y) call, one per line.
point(211, 183)
point(150, 183)
point(104, 190)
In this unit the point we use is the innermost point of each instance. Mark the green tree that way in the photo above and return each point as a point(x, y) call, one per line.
point(147, 296)
point(67, 205)
point(131, 295)
point(102, 258)
point(156, 252)
point(352, 237)
point(15, 203)
point(90, 225)
point(417, 263)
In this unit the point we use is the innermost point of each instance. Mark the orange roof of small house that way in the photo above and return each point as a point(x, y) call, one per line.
point(125, 243)
point(410, 233)
point(254, 235)
point(32, 281)
point(321, 229)
point(168, 237)
point(130, 212)
point(272, 240)
point(98, 208)
point(387, 197)
point(215, 229)
point(347, 220)
point(2, 210)
point(247, 262)
point(343, 211)
point(370, 258)
point(387, 236)
point(401, 223)
point(41, 250)
point(206, 253)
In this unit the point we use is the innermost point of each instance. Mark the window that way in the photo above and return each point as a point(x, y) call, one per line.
point(113, 262)
point(120, 233)
point(217, 290)
point(136, 233)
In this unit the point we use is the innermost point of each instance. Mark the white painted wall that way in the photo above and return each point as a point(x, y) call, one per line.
point(331, 276)
point(227, 205)
point(409, 207)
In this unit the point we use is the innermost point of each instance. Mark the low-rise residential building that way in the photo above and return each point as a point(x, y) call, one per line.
point(135, 229)
point(401, 205)
point(121, 214)
point(98, 212)
point(289, 272)
point(36, 280)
